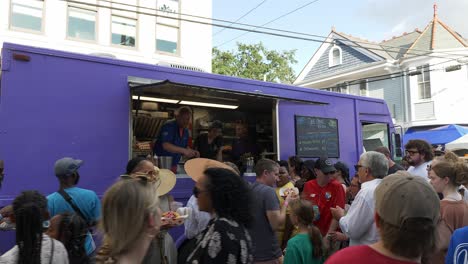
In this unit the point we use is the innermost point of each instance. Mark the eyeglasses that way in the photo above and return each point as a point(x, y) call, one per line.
point(411, 152)
point(357, 166)
point(196, 192)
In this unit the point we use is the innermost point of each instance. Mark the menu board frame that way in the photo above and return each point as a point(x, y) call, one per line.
point(307, 154)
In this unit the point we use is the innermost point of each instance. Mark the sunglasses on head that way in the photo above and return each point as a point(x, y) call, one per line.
point(143, 178)
point(429, 167)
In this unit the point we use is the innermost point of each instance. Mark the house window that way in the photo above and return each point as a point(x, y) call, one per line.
point(168, 27)
point(334, 56)
point(81, 24)
point(342, 88)
point(363, 88)
point(26, 14)
point(424, 82)
point(123, 31)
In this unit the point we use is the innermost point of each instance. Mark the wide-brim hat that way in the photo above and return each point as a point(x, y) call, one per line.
point(167, 181)
point(196, 167)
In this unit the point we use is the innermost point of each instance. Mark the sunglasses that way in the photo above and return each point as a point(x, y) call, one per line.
point(196, 192)
point(429, 167)
point(329, 173)
point(357, 166)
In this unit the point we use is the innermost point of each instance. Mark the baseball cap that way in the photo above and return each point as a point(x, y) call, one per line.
point(402, 196)
point(343, 167)
point(67, 166)
point(325, 165)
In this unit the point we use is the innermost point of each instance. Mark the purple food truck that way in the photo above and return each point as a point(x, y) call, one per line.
point(105, 111)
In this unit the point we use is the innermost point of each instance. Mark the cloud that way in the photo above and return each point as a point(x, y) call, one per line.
point(405, 15)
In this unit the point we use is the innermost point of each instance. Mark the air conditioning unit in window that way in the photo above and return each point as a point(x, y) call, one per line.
point(179, 66)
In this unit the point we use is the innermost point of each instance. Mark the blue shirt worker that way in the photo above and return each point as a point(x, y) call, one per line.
point(72, 199)
point(173, 138)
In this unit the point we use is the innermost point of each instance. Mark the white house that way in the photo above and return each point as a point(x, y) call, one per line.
point(149, 31)
point(422, 75)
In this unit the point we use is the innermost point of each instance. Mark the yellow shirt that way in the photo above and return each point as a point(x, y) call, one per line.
point(279, 233)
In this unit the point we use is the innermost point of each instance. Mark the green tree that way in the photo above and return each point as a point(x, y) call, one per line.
point(254, 61)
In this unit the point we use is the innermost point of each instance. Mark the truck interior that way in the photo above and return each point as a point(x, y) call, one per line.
point(155, 103)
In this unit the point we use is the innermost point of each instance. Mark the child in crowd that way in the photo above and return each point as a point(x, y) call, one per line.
point(70, 229)
point(306, 246)
point(32, 246)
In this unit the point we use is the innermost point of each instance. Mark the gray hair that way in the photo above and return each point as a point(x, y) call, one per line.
point(376, 162)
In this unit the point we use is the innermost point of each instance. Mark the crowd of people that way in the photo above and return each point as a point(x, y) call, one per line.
point(295, 211)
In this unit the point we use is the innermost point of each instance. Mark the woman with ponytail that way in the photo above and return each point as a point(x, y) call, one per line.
point(446, 177)
point(306, 246)
point(70, 229)
point(32, 246)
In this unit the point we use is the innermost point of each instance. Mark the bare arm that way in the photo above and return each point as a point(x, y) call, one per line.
point(219, 155)
point(184, 151)
point(277, 218)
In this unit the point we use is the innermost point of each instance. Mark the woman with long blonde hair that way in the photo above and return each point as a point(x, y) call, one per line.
point(130, 220)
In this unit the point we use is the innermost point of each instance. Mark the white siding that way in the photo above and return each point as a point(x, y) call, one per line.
point(195, 39)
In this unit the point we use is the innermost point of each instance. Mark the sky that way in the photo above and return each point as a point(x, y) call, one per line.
point(374, 20)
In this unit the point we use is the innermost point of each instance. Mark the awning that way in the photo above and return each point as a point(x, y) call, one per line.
point(182, 91)
point(437, 136)
point(460, 143)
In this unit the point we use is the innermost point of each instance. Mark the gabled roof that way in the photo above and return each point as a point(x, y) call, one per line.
point(398, 46)
point(369, 45)
point(436, 36)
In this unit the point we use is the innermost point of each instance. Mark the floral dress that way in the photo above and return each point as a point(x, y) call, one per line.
point(223, 241)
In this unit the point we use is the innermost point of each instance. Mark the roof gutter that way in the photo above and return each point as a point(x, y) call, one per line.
point(366, 67)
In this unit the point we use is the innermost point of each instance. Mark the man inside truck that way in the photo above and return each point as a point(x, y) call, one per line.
point(173, 138)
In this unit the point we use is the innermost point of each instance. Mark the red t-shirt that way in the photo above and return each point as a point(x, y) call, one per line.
point(362, 255)
point(331, 195)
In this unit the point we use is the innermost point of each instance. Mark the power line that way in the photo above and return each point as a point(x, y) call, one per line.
point(248, 12)
point(389, 76)
point(269, 28)
point(271, 21)
point(257, 31)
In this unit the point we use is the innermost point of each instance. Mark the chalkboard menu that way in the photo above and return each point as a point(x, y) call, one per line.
point(317, 137)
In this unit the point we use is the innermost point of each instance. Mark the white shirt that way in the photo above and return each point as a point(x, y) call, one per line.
point(358, 224)
point(60, 255)
point(420, 170)
point(197, 221)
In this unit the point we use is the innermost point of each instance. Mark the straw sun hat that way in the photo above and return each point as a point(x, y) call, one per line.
point(165, 179)
point(196, 167)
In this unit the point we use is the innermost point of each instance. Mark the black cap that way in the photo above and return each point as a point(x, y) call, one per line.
point(343, 167)
point(325, 165)
point(310, 164)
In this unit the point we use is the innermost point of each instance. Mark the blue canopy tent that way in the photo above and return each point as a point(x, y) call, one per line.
point(436, 136)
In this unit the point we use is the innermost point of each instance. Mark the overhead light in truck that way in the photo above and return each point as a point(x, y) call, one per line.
point(209, 104)
point(153, 99)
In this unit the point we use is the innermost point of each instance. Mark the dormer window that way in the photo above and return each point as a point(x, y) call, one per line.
point(334, 58)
